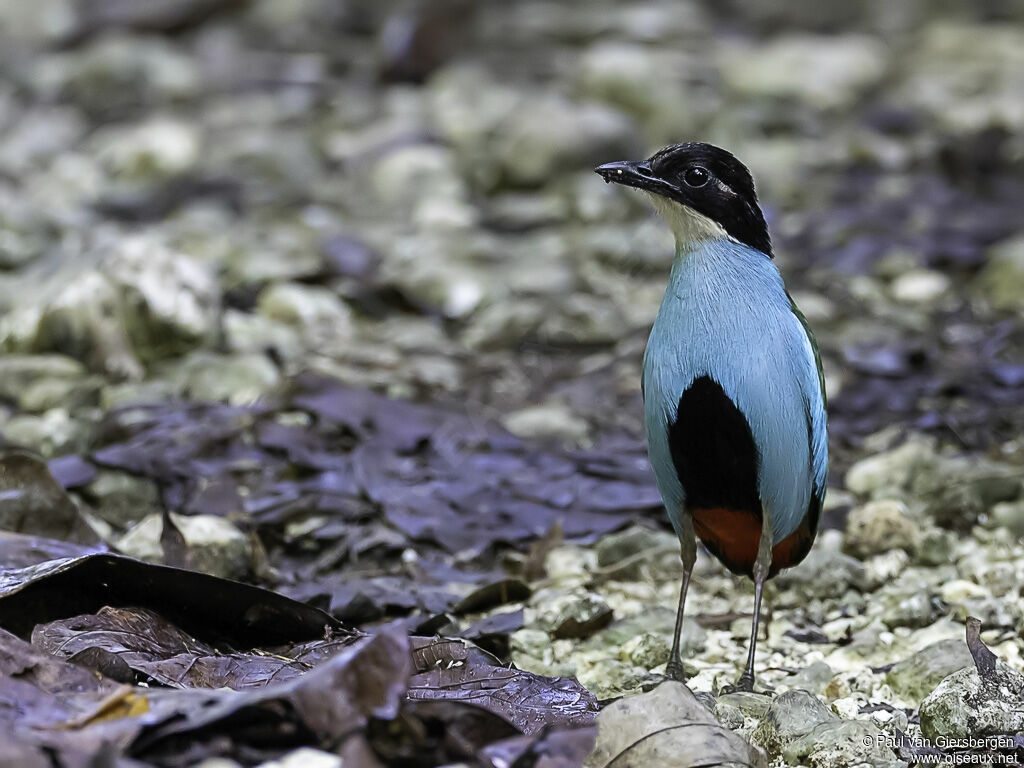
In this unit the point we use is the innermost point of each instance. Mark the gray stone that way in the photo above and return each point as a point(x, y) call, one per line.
point(137, 155)
point(552, 421)
point(824, 71)
point(547, 134)
point(121, 301)
point(215, 546)
point(790, 716)
point(879, 526)
point(656, 619)
point(1001, 282)
point(53, 433)
point(32, 502)
point(916, 676)
point(121, 499)
point(646, 651)
point(823, 574)
point(572, 614)
point(840, 744)
point(652, 729)
point(18, 372)
point(238, 379)
point(964, 705)
point(753, 705)
point(1009, 515)
point(812, 678)
point(629, 553)
point(115, 71)
point(320, 317)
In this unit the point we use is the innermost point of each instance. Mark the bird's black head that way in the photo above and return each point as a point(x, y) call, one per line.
point(715, 190)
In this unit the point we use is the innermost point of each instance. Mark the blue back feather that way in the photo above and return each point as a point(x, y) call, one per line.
point(726, 314)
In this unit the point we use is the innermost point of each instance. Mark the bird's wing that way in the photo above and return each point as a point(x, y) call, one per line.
point(815, 402)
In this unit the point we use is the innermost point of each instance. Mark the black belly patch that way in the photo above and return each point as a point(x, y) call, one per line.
point(713, 450)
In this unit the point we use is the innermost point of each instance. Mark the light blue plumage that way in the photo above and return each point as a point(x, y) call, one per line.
point(734, 399)
point(726, 314)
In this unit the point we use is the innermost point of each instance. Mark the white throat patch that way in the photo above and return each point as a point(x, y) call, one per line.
point(686, 224)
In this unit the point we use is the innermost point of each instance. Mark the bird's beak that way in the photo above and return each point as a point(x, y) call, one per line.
point(634, 174)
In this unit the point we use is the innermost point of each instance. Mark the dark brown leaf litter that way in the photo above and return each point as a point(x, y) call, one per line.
point(339, 482)
point(142, 662)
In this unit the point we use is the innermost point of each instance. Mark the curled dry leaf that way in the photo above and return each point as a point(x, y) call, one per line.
point(150, 649)
point(217, 609)
point(669, 728)
point(451, 670)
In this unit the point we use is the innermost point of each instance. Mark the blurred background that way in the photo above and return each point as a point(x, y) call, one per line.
point(200, 198)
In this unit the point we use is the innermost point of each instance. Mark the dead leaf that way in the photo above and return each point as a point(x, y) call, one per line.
point(217, 609)
point(157, 651)
point(451, 670)
point(670, 728)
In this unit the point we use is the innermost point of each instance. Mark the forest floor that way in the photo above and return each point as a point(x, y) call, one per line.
point(325, 299)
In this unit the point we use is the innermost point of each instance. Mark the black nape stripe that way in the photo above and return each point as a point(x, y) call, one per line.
point(713, 450)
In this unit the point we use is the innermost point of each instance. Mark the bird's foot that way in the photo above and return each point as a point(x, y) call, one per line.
point(744, 685)
point(674, 671)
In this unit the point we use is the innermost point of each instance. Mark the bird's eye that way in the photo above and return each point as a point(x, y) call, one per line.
point(696, 176)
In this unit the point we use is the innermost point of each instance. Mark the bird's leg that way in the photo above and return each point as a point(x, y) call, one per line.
point(761, 567)
point(688, 554)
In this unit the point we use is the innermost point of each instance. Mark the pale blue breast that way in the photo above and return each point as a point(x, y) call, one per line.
point(726, 315)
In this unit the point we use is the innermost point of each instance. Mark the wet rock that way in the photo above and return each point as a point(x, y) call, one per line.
point(840, 744)
point(825, 71)
point(552, 422)
point(964, 704)
point(879, 526)
point(215, 546)
point(1001, 282)
point(791, 716)
point(654, 729)
point(121, 499)
point(573, 614)
point(917, 675)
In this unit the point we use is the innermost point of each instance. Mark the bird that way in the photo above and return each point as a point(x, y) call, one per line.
point(734, 404)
